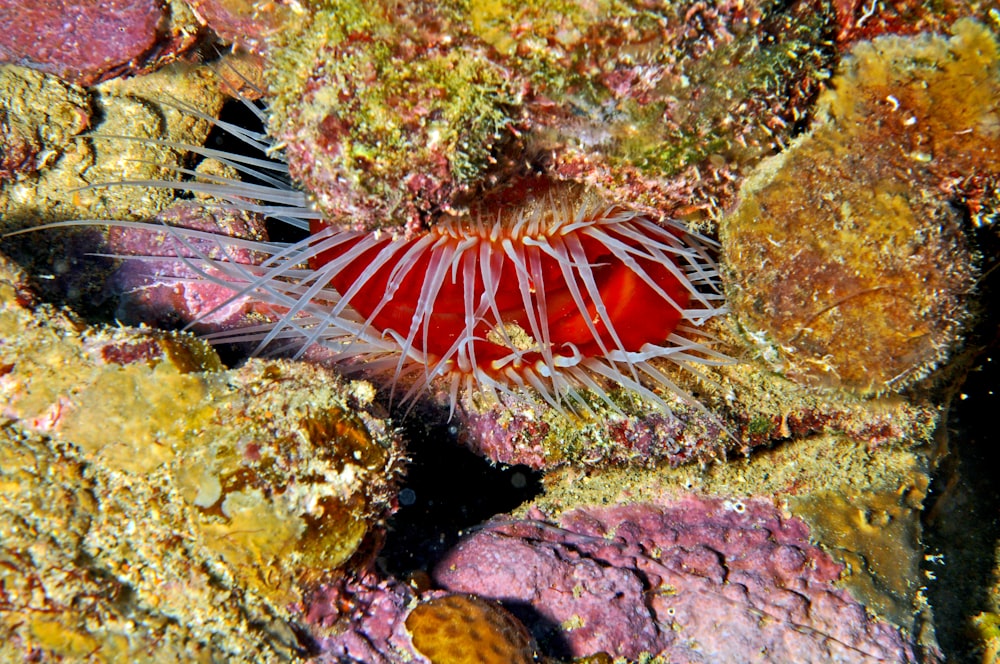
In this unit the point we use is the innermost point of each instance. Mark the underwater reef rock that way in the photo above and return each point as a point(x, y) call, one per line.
point(64, 184)
point(398, 116)
point(202, 536)
point(847, 260)
point(987, 623)
point(666, 579)
point(85, 42)
point(740, 407)
point(864, 20)
point(376, 620)
point(72, 166)
point(807, 552)
point(385, 120)
point(204, 503)
point(39, 115)
point(361, 619)
point(166, 292)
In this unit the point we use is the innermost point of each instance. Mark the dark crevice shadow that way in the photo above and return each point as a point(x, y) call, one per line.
point(447, 488)
point(962, 511)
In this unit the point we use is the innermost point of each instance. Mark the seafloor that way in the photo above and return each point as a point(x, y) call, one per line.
point(829, 493)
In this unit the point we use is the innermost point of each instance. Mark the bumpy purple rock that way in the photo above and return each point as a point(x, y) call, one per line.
point(697, 580)
point(361, 619)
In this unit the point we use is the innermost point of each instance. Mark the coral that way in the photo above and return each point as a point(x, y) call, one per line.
point(464, 629)
point(87, 42)
point(846, 256)
point(254, 485)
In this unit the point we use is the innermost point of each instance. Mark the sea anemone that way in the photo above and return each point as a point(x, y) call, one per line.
point(545, 288)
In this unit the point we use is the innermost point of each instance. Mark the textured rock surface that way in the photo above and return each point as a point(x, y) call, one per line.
point(395, 118)
point(86, 42)
point(690, 581)
point(847, 257)
point(39, 115)
point(200, 502)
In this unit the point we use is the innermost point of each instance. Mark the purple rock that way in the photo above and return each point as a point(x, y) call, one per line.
point(695, 580)
point(172, 291)
point(361, 620)
point(85, 41)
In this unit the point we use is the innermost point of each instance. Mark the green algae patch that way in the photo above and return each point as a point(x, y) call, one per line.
point(876, 535)
point(846, 258)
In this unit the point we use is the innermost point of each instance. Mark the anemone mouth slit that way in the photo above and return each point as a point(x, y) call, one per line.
point(546, 289)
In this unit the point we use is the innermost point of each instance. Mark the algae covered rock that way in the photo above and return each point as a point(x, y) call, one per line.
point(211, 499)
point(404, 115)
point(847, 258)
